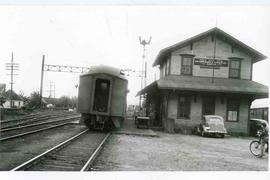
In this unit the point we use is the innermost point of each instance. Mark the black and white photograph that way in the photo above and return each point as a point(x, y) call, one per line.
point(134, 88)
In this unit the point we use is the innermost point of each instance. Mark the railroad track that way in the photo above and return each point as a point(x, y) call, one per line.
point(14, 132)
point(28, 116)
point(37, 121)
point(75, 154)
point(30, 119)
point(22, 121)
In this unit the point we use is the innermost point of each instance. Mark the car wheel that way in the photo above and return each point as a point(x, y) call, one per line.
point(222, 135)
point(198, 131)
point(203, 134)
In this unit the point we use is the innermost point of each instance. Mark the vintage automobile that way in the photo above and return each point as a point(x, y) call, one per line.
point(256, 125)
point(212, 125)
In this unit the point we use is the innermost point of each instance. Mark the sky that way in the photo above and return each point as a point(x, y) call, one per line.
point(87, 35)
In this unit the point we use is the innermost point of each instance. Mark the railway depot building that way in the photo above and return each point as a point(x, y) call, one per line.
point(210, 73)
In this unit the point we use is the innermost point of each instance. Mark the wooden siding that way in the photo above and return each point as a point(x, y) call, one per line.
point(204, 49)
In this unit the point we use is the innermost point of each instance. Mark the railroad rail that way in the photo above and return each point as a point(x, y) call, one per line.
point(19, 122)
point(75, 154)
point(36, 124)
point(29, 116)
point(10, 133)
point(32, 119)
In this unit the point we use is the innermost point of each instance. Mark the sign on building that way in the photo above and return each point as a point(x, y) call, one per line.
point(210, 63)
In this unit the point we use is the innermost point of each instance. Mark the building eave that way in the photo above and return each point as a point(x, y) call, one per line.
point(204, 84)
point(153, 85)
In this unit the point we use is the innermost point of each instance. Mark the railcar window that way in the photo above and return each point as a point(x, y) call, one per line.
point(101, 96)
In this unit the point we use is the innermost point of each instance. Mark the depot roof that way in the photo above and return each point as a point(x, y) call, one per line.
point(257, 56)
point(205, 84)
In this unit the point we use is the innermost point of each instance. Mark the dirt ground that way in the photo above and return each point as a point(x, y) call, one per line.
point(178, 152)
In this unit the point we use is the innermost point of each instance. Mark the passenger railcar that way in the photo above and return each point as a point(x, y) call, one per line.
point(102, 98)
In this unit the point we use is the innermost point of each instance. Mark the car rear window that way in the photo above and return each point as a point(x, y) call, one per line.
point(215, 120)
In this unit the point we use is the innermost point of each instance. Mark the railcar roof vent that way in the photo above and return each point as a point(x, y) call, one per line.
point(122, 72)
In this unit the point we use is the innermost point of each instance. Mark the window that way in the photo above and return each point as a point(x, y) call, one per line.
point(232, 110)
point(234, 71)
point(252, 113)
point(208, 105)
point(186, 67)
point(168, 67)
point(163, 69)
point(265, 114)
point(183, 110)
point(101, 98)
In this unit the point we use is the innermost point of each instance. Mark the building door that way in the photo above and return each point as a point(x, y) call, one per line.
point(157, 113)
point(208, 106)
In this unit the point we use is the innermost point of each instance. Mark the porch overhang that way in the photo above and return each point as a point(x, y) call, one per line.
point(205, 84)
point(147, 89)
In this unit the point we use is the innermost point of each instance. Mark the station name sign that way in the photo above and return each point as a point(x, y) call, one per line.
point(210, 63)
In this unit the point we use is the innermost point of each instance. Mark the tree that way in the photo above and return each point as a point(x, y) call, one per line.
point(2, 100)
point(74, 101)
point(24, 98)
point(34, 100)
point(64, 101)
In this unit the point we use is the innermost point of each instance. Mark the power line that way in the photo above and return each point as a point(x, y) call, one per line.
point(133, 73)
point(61, 68)
point(77, 69)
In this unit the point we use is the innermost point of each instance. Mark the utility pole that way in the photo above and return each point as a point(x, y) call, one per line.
point(52, 89)
point(76, 97)
point(11, 67)
point(214, 55)
point(51, 92)
point(144, 64)
point(41, 80)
